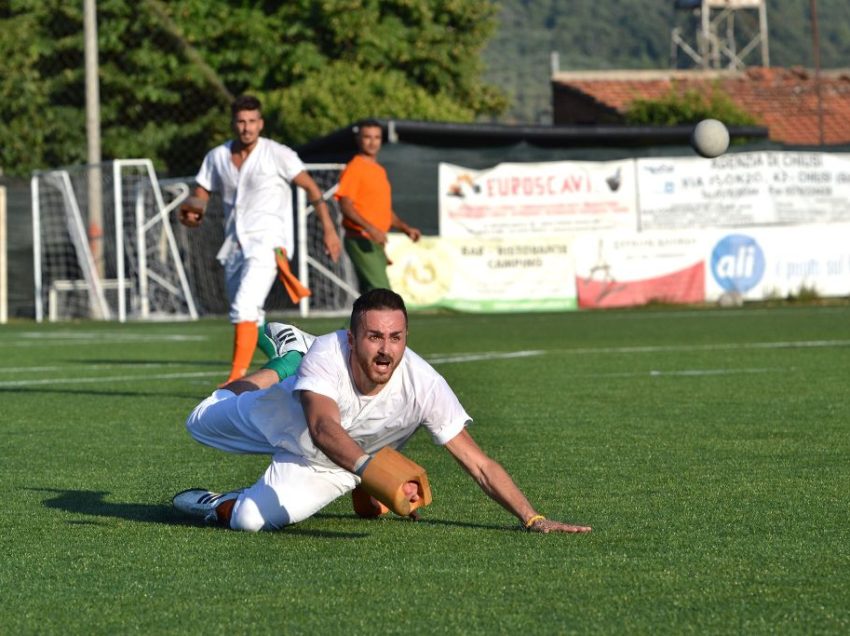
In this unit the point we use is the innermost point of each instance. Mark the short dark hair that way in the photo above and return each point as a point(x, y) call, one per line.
point(367, 123)
point(376, 299)
point(245, 102)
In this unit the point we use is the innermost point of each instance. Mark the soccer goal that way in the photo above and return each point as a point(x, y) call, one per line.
point(104, 246)
point(333, 285)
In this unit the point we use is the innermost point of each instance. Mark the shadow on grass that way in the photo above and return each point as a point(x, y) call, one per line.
point(425, 521)
point(91, 502)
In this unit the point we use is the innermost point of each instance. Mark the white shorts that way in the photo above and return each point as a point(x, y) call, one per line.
point(290, 490)
point(248, 282)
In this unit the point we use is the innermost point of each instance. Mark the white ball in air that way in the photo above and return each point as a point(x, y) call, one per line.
point(710, 138)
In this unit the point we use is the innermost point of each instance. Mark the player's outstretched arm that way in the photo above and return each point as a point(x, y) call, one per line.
point(333, 247)
point(495, 481)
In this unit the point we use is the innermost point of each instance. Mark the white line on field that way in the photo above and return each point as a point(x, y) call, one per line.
point(476, 357)
point(438, 358)
point(28, 369)
point(59, 338)
point(685, 373)
point(111, 378)
point(97, 365)
point(701, 372)
point(794, 344)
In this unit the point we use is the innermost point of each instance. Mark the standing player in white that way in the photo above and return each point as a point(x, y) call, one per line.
point(253, 175)
point(354, 393)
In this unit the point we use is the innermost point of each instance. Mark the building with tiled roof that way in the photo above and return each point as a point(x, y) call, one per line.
point(785, 101)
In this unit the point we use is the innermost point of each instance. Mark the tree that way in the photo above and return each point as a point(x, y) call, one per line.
point(688, 107)
point(169, 70)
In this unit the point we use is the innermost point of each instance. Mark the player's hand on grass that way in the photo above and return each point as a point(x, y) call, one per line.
point(411, 491)
point(545, 526)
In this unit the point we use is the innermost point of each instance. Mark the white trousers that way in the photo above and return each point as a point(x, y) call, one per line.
point(248, 281)
point(289, 491)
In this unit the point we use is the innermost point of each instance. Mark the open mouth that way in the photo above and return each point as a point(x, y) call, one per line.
point(384, 364)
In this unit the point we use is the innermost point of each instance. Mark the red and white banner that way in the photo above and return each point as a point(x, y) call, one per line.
point(624, 269)
point(537, 198)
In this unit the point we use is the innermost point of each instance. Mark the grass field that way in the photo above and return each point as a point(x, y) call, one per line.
point(709, 449)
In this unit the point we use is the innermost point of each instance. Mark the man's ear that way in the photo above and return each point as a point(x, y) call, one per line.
point(350, 338)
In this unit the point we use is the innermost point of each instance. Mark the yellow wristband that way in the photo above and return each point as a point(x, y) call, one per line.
point(533, 520)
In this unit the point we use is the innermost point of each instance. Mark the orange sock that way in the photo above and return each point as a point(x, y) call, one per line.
point(244, 343)
point(224, 511)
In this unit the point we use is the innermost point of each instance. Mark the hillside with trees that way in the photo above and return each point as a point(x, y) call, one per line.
point(168, 70)
point(633, 34)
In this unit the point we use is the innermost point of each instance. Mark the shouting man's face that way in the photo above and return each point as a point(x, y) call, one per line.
point(377, 346)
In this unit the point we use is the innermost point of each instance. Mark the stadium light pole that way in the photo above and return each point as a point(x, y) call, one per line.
point(93, 157)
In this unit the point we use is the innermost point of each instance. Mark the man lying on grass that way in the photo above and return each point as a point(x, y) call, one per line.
point(322, 418)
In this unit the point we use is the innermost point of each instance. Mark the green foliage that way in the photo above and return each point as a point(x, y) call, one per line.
point(687, 107)
point(344, 94)
point(169, 70)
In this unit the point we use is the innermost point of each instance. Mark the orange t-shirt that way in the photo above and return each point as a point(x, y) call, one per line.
point(365, 183)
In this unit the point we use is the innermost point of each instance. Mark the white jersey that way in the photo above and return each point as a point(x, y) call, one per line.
point(416, 395)
point(257, 197)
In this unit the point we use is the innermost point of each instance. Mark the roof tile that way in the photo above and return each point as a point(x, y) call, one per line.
point(785, 100)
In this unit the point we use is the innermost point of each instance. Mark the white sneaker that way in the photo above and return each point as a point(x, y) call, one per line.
point(285, 338)
point(201, 503)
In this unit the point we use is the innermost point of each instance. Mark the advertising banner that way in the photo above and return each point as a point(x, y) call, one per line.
point(560, 197)
point(743, 190)
point(624, 269)
point(764, 263)
point(472, 274)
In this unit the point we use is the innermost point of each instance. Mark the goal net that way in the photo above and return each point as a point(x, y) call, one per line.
point(104, 246)
point(107, 245)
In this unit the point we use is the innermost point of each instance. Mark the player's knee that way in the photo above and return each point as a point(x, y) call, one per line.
point(247, 517)
point(193, 423)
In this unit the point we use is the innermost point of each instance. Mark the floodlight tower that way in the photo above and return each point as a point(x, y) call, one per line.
point(716, 40)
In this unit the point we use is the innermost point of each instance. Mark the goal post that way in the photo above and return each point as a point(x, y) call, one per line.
point(135, 270)
point(333, 285)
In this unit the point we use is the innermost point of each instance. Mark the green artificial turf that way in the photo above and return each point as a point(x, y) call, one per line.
point(709, 449)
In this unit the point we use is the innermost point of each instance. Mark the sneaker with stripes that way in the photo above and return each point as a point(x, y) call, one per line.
point(201, 503)
point(285, 338)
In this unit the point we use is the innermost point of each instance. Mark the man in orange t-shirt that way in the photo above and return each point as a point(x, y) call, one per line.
point(365, 198)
